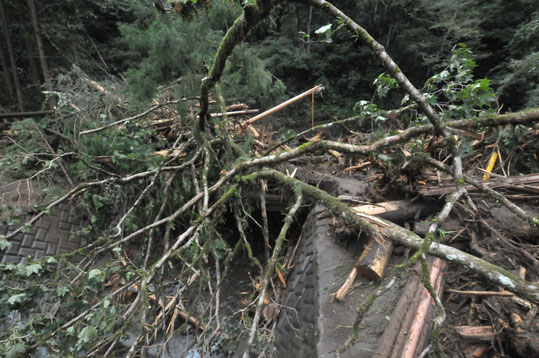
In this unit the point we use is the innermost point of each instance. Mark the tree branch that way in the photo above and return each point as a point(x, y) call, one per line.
point(405, 237)
point(252, 15)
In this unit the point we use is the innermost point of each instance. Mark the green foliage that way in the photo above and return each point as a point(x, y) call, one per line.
point(4, 244)
point(20, 161)
point(247, 78)
point(369, 112)
point(21, 289)
point(384, 83)
point(171, 48)
point(158, 48)
point(456, 92)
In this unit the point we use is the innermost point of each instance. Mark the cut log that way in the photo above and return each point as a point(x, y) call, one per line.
point(414, 343)
point(373, 261)
point(406, 303)
point(399, 210)
point(478, 334)
point(377, 252)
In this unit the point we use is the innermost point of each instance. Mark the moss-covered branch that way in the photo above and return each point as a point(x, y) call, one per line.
point(405, 237)
point(252, 14)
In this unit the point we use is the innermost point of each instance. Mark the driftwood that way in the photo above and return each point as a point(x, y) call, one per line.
point(371, 264)
point(397, 234)
point(373, 261)
point(482, 293)
point(480, 334)
point(505, 182)
point(237, 107)
point(375, 256)
point(399, 210)
point(399, 317)
point(417, 333)
point(235, 113)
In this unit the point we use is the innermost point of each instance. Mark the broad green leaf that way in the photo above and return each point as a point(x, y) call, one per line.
point(444, 74)
point(16, 298)
point(31, 269)
point(94, 273)
point(323, 29)
point(4, 244)
point(87, 333)
point(61, 291)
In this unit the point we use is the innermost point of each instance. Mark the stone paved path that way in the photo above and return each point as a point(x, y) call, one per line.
point(53, 234)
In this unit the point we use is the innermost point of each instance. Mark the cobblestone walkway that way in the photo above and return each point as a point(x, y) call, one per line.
point(53, 234)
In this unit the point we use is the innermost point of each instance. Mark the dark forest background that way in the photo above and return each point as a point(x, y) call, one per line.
point(144, 47)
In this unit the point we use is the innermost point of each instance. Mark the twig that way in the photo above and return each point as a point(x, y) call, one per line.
point(140, 115)
point(265, 225)
point(482, 293)
point(60, 161)
point(269, 270)
point(533, 220)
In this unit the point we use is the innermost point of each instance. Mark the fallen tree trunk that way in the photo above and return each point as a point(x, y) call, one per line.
point(398, 210)
point(25, 114)
point(489, 271)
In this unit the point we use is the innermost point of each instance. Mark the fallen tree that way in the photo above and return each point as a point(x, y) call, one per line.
point(157, 221)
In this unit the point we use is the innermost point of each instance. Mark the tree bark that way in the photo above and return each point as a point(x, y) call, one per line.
point(40, 49)
point(7, 79)
point(30, 49)
point(11, 57)
point(25, 114)
point(252, 15)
